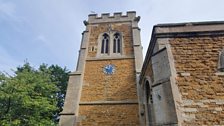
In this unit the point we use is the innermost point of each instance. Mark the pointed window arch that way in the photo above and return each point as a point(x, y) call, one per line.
point(105, 44)
point(148, 102)
point(117, 43)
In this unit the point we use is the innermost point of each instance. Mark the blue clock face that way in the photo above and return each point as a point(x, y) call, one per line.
point(109, 69)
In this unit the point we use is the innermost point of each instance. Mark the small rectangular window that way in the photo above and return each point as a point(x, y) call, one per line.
point(92, 48)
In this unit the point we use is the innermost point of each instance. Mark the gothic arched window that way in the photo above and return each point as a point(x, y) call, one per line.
point(105, 44)
point(117, 43)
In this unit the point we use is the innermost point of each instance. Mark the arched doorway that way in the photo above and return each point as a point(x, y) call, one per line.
point(148, 103)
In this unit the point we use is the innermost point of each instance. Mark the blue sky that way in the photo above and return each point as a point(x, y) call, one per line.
point(49, 31)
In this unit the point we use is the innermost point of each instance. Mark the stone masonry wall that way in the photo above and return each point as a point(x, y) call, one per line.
point(117, 89)
point(99, 87)
point(200, 83)
point(109, 115)
point(119, 86)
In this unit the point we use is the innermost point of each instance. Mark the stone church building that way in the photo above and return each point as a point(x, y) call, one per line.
point(180, 82)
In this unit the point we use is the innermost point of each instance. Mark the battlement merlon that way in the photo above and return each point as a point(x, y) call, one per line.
point(116, 17)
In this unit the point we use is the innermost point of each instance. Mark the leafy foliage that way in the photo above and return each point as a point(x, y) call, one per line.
point(32, 97)
point(60, 77)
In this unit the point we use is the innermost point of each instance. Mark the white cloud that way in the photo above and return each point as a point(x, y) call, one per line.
point(8, 12)
point(7, 9)
point(43, 39)
point(9, 15)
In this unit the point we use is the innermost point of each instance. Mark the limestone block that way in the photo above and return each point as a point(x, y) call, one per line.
point(160, 66)
point(163, 104)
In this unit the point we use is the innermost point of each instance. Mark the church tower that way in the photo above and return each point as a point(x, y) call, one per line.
point(103, 89)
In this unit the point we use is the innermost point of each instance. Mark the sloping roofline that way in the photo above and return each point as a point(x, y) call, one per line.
point(175, 30)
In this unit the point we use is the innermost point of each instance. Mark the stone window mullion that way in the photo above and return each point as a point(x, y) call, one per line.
point(117, 43)
point(105, 44)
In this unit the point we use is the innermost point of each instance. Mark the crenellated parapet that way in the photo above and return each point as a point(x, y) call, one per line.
point(116, 17)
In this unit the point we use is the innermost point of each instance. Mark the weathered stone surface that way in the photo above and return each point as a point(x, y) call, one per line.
point(183, 67)
point(109, 115)
point(115, 91)
point(196, 49)
point(118, 86)
point(199, 57)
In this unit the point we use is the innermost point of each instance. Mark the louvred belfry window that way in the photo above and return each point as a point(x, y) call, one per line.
point(105, 44)
point(117, 43)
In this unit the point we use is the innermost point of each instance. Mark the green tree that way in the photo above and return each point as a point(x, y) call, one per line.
point(60, 77)
point(32, 97)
